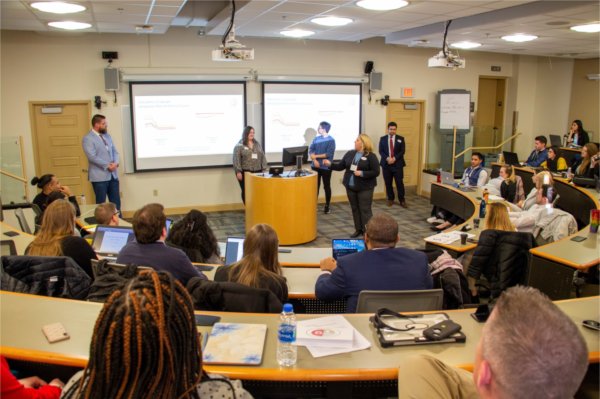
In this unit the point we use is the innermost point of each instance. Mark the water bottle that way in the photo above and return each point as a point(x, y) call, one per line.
point(486, 195)
point(287, 352)
point(482, 206)
point(569, 175)
point(83, 202)
point(439, 175)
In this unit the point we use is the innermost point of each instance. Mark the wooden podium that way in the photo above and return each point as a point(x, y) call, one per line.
point(288, 204)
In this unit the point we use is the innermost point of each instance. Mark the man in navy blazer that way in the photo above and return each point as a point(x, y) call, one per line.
point(381, 267)
point(103, 160)
point(391, 152)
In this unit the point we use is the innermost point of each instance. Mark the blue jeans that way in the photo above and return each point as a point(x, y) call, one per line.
point(110, 188)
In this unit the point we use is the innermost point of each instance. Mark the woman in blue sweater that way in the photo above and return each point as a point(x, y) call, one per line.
point(322, 149)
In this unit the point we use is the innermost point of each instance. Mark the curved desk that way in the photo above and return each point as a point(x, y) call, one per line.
point(22, 339)
point(288, 204)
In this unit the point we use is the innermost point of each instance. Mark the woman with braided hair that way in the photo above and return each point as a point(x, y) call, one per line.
point(145, 345)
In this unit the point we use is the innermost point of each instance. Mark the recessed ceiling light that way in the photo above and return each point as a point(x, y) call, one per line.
point(297, 33)
point(465, 45)
point(69, 25)
point(58, 7)
point(587, 28)
point(331, 21)
point(382, 5)
point(519, 38)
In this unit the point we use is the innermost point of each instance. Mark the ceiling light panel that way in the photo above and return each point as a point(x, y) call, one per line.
point(465, 45)
point(331, 21)
point(587, 28)
point(519, 38)
point(297, 33)
point(70, 25)
point(382, 5)
point(58, 7)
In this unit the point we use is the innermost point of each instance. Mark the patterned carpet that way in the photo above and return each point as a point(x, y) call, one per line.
point(338, 224)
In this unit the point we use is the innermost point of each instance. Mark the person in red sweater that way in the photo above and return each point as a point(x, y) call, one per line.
point(26, 388)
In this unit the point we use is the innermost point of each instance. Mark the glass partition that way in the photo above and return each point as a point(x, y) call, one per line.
point(13, 188)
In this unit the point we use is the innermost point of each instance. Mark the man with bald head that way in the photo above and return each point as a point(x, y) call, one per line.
point(381, 267)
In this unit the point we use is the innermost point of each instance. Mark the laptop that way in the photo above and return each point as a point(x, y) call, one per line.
point(556, 140)
point(234, 249)
point(448, 179)
point(109, 240)
point(511, 158)
point(168, 224)
point(345, 246)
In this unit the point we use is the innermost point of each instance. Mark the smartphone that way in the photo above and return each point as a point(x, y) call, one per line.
point(206, 320)
point(578, 238)
point(591, 324)
point(441, 330)
point(11, 233)
point(482, 313)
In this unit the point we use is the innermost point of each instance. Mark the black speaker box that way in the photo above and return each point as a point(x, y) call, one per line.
point(368, 67)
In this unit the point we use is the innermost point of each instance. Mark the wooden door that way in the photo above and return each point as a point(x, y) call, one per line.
point(488, 128)
point(57, 140)
point(409, 117)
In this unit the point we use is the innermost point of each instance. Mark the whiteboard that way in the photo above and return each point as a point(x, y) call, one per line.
point(454, 110)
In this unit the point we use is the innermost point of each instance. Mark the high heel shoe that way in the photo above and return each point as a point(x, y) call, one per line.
point(356, 234)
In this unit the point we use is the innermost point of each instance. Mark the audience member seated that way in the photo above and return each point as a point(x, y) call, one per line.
point(539, 179)
point(511, 188)
point(554, 163)
point(145, 345)
point(149, 249)
point(577, 135)
point(26, 388)
point(587, 165)
point(107, 214)
point(539, 153)
point(380, 267)
point(497, 217)
point(259, 267)
point(524, 221)
point(193, 235)
point(49, 184)
point(474, 176)
point(528, 349)
point(56, 237)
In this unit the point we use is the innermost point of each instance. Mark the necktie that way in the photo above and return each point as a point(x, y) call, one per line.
point(104, 141)
point(391, 146)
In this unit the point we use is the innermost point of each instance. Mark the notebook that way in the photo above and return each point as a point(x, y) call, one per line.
point(345, 246)
point(511, 158)
point(234, 249)
point(109, 240)
point(235, 343)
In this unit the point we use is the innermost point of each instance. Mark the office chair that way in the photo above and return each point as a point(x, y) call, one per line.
point(400, 301)
point(22, 221)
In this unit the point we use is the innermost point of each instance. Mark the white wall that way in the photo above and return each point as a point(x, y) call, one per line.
point(44, 67)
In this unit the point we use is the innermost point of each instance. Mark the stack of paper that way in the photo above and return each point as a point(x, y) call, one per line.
point(446, 238)
point(329, 335)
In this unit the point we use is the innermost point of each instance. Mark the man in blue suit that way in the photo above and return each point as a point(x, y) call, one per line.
point(381, 267)
point(391, 152)
point(103, 160)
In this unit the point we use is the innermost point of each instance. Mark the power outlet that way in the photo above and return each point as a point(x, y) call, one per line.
point(155, 193)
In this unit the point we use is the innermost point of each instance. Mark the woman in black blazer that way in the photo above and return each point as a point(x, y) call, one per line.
point(360, 178)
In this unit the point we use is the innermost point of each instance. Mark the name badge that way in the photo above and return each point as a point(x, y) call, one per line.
point(246, 148)
point(353, 168)
point(363, 158)
point(254, 156)
point(399, 141)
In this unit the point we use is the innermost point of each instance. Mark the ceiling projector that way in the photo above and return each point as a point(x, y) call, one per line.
point(232, 50)
point(448, 60)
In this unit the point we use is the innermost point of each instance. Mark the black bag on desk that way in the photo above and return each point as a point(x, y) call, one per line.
point(396, 329)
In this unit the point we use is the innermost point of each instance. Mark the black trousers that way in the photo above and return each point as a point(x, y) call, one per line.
point(393, 174)
point(360, 203)
point(324, 174)
point(242, 186)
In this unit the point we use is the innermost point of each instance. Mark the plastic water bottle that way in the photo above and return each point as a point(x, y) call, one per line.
point(83, 201)
point(439, 175)
point(287, 352)
point(569, 173)
point(482, 206)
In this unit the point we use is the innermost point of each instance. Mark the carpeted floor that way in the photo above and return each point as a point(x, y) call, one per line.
point(338, 224)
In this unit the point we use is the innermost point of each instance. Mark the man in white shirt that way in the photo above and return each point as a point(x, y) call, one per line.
point(475, 175)
point(525, 221)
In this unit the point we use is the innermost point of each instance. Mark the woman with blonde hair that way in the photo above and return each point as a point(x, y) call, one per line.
point(259, 267)
point(360, 178)
point(56, 238)
point(539, 179)
point(511, 188)
point(587, 165)
point(497, 218)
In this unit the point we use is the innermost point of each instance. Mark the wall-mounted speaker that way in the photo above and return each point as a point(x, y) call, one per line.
point(368, 67)
point(375, 81)
point(111, 79)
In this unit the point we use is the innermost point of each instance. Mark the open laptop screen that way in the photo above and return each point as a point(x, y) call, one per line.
point(345, 246)
point(234, 249)
point(108, 240)
point(511, 158)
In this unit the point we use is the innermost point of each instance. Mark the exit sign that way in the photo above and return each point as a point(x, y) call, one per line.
point(496, 68)
point(408, 92)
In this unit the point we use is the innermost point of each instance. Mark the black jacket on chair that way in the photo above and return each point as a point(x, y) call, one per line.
point(56, 276)
point(503, 258)
point(231, 297)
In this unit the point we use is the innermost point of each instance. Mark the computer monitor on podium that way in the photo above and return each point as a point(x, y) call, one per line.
point(290, 155)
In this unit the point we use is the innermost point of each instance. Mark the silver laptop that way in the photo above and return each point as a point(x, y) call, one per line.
point(448, 179)
point(109, 240)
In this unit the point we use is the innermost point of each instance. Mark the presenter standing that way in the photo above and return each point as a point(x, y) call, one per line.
point(360, 178)
point(391, 151)
point(103, 160)
point(248, 156)
point(321, 149)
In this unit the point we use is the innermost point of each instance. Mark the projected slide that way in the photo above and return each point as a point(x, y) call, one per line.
point(293, 111)
point(183, 125)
